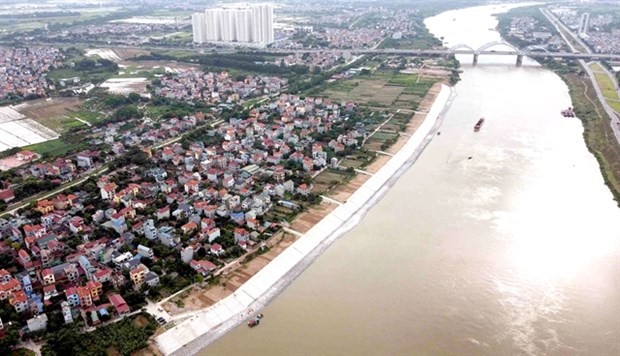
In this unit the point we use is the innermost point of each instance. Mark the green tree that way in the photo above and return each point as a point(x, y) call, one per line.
point(10, 340)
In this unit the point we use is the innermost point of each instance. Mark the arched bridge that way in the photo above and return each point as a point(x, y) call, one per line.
point(486, 49)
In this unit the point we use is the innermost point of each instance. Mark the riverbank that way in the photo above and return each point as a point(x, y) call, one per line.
point(191, 336)
point(598, 133)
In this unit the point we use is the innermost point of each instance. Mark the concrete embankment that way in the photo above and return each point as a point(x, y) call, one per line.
point(206, 326)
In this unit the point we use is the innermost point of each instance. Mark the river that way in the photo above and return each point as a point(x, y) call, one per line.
point(514, 251)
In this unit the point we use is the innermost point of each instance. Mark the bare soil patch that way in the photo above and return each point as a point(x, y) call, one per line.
point(306, 220)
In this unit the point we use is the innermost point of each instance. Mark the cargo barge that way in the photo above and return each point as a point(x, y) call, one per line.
point(479, 124)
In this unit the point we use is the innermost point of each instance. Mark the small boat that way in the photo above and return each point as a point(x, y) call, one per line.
point(438, 133)
point(568, 112)
point(254, 322)
point(479, 124)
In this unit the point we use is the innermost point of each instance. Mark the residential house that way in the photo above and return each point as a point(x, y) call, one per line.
point(24, 258)
point(151, 279)
point(76, 224)
point(47, 276)
point(108, 191)
point(187, 254)
point(44, 206)
point(86, 299)
point(85, 159)
point(27, 285)
point(71, 272)
point(7, 195)
point(163, 213)
point(216, 249)
point(103, 275)
point(73, 297)
point(146, 252)
point(119, 304)
point(8, 287)
point(19, 301)
point(138, 275)
point(49, 291)
point(213, 234)
point(192, 186)
point(241, 234)
point(304, 189)
point(66, 312)
point(95, 288)
point(189, 227)
point(5, 276)
point(203, 267)
point(37, 323)
point(36, 231)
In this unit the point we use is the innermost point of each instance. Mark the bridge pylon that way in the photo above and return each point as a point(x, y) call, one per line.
point(475, 59)
point(519, 60)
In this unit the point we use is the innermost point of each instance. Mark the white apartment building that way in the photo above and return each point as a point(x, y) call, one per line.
point(247, 24)
point(199, 27)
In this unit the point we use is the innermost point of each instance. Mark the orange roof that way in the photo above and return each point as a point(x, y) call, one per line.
point(109, 187)
point(137, 270)
point(190, 225)
point(12, 284)
point(44, 203)
point(93, 285)
point(18, 297)
point(83, 292)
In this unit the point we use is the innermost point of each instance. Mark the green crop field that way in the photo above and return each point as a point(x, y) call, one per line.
point(381, 89)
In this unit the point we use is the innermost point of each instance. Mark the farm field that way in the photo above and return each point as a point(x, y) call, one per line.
point(126, 85)
point(55, 147)
point(12, 25)
point(18, 130)
point(59, 114)
point(327, 180)
point(382, 90)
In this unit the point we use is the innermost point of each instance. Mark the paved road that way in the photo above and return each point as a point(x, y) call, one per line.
point(613, 115)
point(562, 29)
point(13, 208)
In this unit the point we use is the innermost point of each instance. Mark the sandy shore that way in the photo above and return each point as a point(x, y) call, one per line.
point(206, 326)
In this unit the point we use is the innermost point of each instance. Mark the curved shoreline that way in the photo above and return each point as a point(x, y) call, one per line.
point(193, 335)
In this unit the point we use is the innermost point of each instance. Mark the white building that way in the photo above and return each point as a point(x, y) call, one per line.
point(247, 24)
point(187, 254)
point(66, 312)
point(146, 252)
point(37, 323)
point(199, 27)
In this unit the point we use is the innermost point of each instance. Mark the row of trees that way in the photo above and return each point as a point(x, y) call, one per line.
point(125, 337)
point(246, 61)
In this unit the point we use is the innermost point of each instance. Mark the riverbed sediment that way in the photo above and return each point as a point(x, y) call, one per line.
point(206, 326)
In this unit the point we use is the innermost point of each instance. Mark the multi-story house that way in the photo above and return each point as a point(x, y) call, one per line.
point(95, 288)
point(19, 301)
point(47, 276)
point(138, 275)
point(86, 299)
point(73, 297)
